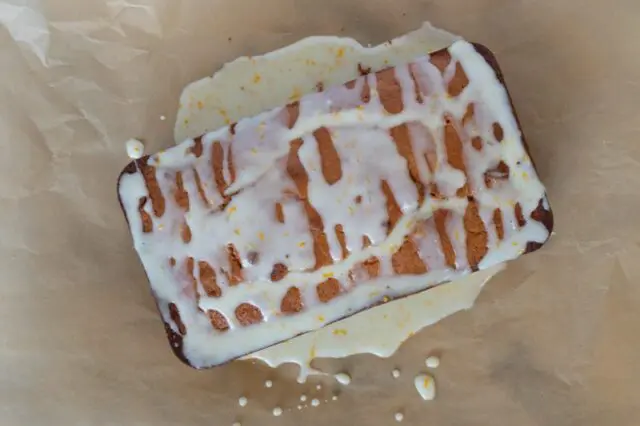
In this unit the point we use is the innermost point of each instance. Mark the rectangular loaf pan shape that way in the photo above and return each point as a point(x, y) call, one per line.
point(362, 193)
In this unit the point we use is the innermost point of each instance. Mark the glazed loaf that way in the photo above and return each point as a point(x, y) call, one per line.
point(376, 189)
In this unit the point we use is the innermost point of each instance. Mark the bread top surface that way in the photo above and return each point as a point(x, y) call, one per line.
point(384, 186)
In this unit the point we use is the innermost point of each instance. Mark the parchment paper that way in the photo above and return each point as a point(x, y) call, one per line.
point(552, 341)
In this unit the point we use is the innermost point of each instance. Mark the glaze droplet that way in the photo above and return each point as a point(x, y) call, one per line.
point(395, 373)
point(315, 402)
point(277, 411)
point(343, 378)
point(432, 362)
point(399, 416)
point(135, 149)
point(303, 398)
point(268, 384)
point(242, 401)
point(426, 386)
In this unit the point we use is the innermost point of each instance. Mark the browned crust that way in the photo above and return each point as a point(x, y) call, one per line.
point(540, 214)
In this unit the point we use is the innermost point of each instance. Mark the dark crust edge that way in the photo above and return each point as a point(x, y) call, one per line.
point(540, 214)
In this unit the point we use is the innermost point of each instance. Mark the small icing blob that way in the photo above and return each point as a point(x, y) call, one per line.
point(426, 386)
point(343, 378)
point(318, 387)
point(432, 362)
point(334, 398)
point(162, 118)
point(236, 424)
point(242, 401)
point(315, 402)
point(277, 411)
point(303, 398)
point(395, 373)
point(268, 384)
point(135, 149)
point(399, 416)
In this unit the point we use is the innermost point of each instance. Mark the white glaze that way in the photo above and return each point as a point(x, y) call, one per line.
point(303, 398)
point(268, 384)
point(426, 386)
point(315, 402)
point(343, 378)
point(290, 72)
point(432, 361)
point(135, 149)
point(277, 411)
point(398, 416)
point(242, 401)
point(395, 373)
point(254, 161)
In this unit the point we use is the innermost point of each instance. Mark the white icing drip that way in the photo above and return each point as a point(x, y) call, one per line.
point(277, 411)
point(398, 416)
point(395, 373)
point(343, 378)
point(315, 402)
point(432, 362)
point(258, 146)
point(135, 148)
point(426, 386)
point(242, 401)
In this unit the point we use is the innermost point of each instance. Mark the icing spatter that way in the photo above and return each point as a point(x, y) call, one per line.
point(395, 373)
point(135, 149)
point(343, 378)
point(426, 386)
point(432, 362)
point(398, 416)
point(228, 200)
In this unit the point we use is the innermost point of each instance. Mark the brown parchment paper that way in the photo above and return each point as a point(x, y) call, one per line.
point(552, 341)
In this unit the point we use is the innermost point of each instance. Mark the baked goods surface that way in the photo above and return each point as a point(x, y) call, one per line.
point(376, 189)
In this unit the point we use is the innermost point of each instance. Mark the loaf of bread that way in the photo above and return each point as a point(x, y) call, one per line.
point(382, 187)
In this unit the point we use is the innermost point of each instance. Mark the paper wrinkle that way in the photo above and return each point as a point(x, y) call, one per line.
point(143, 17)
point(27, 25)
point(552, 341)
